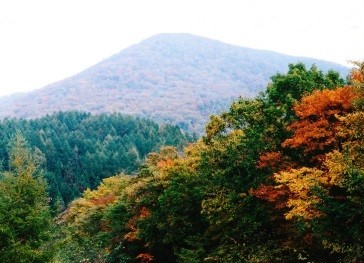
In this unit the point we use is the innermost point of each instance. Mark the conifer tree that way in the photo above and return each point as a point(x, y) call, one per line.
point(25, 220)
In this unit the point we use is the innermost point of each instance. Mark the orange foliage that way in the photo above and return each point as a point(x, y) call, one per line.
point(276, 195)
point(105, 226)
point(103, 200)
point(318, 113)
point(132, 235)
point(145, 258)
point(133, 231)
point(270, 159)
point(274, 161)
point(356, 75)
point(144, 212)
point(325, 102)
point(165, 164)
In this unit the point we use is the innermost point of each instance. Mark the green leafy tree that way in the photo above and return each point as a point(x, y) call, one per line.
point(286, 89)
point(25, 221)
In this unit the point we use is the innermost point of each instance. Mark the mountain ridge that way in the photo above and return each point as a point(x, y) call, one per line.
point(173, 78)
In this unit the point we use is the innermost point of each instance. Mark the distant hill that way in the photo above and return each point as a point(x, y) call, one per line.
point(173, 78)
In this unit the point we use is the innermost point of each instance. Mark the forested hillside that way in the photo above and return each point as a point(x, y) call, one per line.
point(77, 150)
point(275, 178)
point(172, 78)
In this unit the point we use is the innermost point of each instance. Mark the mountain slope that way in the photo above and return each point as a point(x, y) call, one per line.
point(177, 78)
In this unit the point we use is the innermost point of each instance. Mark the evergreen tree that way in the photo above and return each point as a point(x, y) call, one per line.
point(25, 219)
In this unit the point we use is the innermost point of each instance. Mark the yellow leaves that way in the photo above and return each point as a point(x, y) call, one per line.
point(77, 212)
point(166, 153)
point(108, 191)
point(23, 167)
point(163, 169)
point(302, 208)
point(337, 166)
point(133, 190)
point(109, 186)
point(158, 166)
point(192, 156)
point(353, 130)
point(161, 166)
point(214, 127)
point(235, 135)
point(21, 160)
point(300, 182)
point(356, 75)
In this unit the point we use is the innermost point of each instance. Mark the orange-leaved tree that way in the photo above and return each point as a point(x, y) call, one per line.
point(316, 130)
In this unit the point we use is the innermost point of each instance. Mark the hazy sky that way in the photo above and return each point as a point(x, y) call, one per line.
point(43, 41)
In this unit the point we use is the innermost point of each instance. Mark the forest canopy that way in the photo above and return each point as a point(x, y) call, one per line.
point(77, 150)
point(277, 178)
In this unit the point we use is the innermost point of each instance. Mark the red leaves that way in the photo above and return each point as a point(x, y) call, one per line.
point(144, 212)
point(145, 258)
point(275, 195)
point(275, 161)
point(132, 235)
point(270, 159)
point(133, 230)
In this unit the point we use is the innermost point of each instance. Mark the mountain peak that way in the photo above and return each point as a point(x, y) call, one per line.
point(175, 37)
point(172, 77)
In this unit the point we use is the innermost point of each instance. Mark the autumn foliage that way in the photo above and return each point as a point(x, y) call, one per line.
point(279, 178)
point(316, 130)
point(145, 258)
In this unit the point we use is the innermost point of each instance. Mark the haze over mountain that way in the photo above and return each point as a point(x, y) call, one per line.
point(173, 78)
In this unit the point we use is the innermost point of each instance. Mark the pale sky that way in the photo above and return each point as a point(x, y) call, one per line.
point(43, 41)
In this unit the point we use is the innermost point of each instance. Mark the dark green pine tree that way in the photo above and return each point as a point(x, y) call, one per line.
point(25, 220)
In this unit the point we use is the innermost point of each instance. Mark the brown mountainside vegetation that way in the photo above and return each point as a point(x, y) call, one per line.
point(171, 78)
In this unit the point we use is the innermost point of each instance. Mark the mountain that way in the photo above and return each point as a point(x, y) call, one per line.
point(173, 78)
